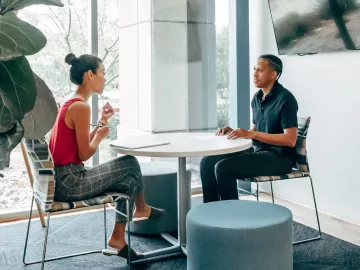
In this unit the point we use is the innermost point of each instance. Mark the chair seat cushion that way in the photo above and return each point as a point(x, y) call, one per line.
point(293, 174)
point(60, 206)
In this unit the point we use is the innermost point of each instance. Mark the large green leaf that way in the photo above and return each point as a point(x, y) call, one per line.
point(41, 119)
point(8, 141)
point(18, 38)
point(17, 91)
point(12, 5)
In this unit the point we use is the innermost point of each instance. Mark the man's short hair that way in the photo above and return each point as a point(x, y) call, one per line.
point(274, 62)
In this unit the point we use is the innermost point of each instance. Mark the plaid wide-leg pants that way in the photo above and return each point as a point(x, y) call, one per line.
point(74, 182)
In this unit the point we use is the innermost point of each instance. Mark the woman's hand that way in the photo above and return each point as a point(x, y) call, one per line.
point(107, 112)
point(102, 132)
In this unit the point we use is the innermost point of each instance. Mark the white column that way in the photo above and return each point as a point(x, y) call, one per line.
point(167, 64)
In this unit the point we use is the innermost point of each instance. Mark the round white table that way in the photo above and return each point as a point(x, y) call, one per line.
point(180, 145)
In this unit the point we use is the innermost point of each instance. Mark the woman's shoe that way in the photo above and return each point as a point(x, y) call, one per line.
point(123, 253)
point(155, 213)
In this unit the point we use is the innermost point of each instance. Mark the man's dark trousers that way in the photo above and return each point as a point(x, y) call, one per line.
point(219, 174)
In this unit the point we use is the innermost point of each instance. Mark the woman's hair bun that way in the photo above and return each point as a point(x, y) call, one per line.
point(71, 59)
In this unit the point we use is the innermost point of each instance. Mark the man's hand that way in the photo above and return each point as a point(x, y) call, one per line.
point(241, 133)
point(224, 131)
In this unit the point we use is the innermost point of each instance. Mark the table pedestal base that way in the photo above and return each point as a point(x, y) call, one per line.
point(184, 205)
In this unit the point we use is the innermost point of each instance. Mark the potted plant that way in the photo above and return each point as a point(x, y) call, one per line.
point(27, 106)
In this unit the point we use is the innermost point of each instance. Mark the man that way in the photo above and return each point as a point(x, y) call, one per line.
point(273, 132)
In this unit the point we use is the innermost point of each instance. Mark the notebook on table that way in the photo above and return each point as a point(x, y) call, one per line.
point(138, 143)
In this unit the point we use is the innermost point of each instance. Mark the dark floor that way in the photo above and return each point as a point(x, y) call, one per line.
point(82, 232)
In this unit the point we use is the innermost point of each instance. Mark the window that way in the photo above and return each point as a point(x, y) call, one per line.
point(66, 31)
point(222, 77)
point(222, 62)
point(108, 32)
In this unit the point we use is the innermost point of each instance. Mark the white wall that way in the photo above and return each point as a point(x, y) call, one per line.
point(327, 89)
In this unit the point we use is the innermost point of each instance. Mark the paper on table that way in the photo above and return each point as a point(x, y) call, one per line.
point(138, 142)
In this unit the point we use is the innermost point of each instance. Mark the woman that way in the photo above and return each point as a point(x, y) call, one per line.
point(71, 143)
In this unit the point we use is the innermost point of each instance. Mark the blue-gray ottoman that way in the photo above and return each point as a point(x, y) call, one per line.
point(239, 235)
point(160, 181)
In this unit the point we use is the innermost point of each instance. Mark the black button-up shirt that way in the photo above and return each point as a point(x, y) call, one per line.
point(278, 111)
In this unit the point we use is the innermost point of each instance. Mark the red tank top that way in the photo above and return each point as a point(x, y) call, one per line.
point(63, 144)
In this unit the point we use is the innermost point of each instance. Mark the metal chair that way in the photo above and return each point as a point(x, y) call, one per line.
point(36, 151)
point(301, 171)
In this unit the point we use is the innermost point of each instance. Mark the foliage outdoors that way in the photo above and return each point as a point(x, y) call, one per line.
point(25, 99)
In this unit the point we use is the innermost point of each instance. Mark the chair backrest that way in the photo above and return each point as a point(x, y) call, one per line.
point(41, 172)
point(301, 153)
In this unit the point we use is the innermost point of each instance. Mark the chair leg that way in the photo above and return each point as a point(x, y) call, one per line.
point(43, 260)
point(317, 219)
point(316, 210)
point(128, 233)
point(27, 232)
point(129, 219)
point(45, 240)
point(105, 230)
point(257, 191)
point(272, 192)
